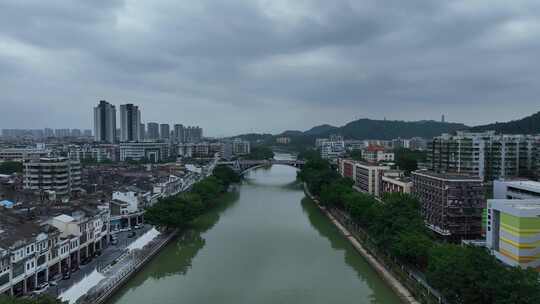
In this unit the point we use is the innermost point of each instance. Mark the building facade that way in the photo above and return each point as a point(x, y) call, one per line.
point(241, 147)
point(105, 122)
point(513, 231)
point(164, 132)
point(59, 174)
point(400, 184)
point(151, 151)
point(152, 131)
point(130, 123)
point(375, 154)
point(487, 155)
point(516, 189)
point(452, 204)
point(367, 177)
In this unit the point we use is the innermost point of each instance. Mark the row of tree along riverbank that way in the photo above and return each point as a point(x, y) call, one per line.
point(180, 211)
point(395, 228)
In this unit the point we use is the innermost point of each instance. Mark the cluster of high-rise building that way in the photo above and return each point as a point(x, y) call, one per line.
point(133, 130)
point(38, 134)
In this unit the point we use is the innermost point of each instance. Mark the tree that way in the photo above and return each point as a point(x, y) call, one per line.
point(407, 160)
point(335, 193)
point(260, 153)
point(356, 155)
point(226, 175)
point(10, 167)
point(472, 275)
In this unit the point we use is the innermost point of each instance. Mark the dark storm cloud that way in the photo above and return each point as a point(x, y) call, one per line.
point(269, 65)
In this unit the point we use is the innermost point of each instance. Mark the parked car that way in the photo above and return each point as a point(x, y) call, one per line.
point(66, 276)
point(41, 288)
point(131, 234)
point(85, 261)
point(138, 227)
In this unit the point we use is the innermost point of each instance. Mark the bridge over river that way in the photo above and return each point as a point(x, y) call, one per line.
point(243, 166)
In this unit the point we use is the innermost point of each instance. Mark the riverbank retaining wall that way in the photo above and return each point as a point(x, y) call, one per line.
point(142, 258)
point(403, 293)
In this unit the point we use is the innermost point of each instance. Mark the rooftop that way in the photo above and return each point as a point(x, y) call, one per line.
point(520, 208)
point(448, 176)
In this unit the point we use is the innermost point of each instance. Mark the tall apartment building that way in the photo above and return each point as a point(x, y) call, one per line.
point(179, 135)
point(487, 155)
point(152, 131)
point(513, 223)
point(62, 133)
point(452, 204)
point(193, 134)
point(130, 123)
point(105, 122)
point(76, 133)
point(58, 174)
point(164, 131)
point(142, 132)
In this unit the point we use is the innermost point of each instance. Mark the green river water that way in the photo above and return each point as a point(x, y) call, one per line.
point(267, 243)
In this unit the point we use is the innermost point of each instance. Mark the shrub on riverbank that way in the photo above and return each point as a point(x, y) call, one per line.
point(462, 274)
point(39, 300)
point(180, 211)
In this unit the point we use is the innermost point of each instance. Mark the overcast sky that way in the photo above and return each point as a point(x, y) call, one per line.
point(268, 65)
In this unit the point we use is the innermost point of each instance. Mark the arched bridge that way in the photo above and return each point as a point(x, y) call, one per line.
point(242, 166)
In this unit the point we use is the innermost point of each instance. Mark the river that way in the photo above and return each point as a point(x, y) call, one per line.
point(267, 243)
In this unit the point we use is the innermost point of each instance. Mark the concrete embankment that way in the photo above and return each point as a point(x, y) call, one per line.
point(104, 293)
point(399, 289)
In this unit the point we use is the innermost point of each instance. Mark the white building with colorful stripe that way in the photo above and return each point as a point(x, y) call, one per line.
point(513, 231)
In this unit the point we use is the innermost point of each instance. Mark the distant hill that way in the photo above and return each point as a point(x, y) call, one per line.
point(389, 129)
point(291, 133)
point(322, 129)
point(255, 137)
point(527, 125)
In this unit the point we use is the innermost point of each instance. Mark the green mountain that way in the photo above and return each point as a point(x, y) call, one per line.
point(322, 129)
point(390, 129)
point(527, 125)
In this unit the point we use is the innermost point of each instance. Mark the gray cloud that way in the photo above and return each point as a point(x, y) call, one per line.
point(260, 65)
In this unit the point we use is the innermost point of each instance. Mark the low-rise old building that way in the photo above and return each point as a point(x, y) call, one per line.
point(151, 151)
point(36, 250)
point(127, 208)
point(375, 154)
point(393, 184)
point(367, 177)
point(20, 154)
point(452, 204)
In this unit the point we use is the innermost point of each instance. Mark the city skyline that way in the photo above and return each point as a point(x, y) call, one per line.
point(268, 66)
